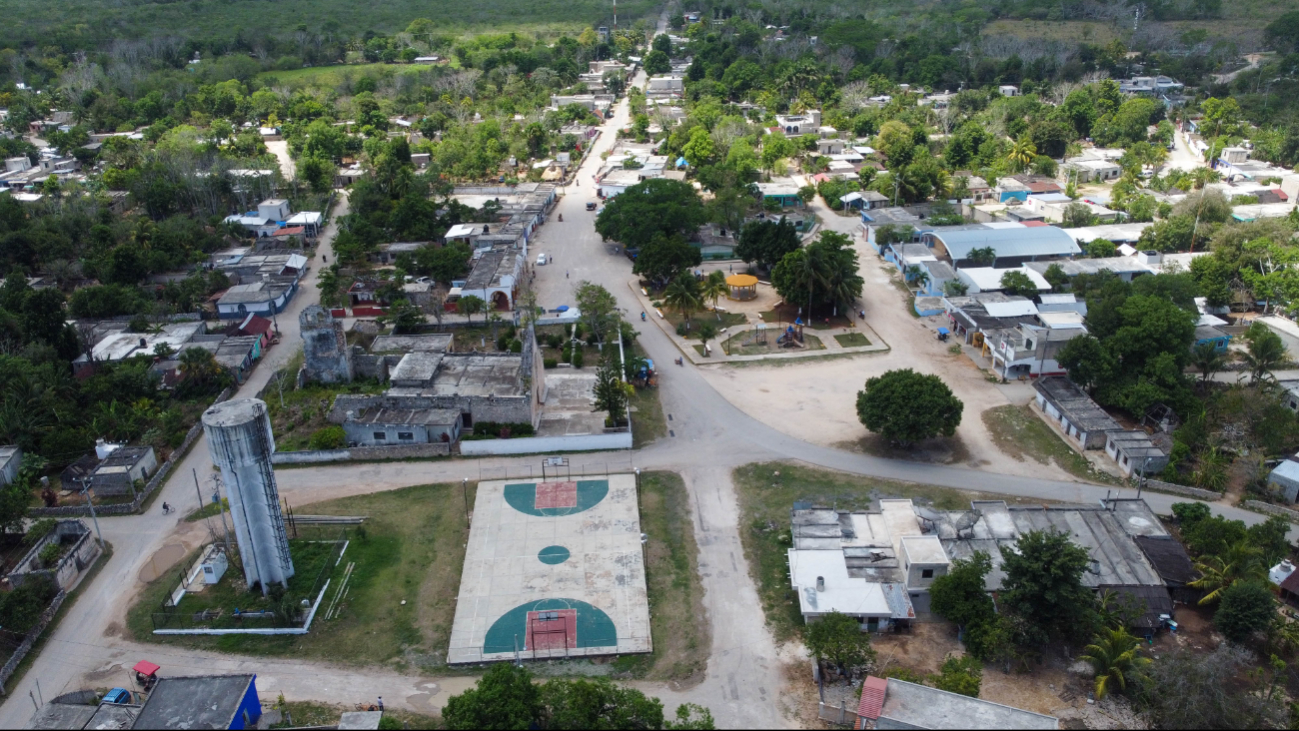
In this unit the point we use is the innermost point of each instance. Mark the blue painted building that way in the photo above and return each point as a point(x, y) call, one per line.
point(202, 701)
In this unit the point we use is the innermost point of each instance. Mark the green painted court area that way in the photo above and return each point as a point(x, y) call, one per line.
point(553, 569)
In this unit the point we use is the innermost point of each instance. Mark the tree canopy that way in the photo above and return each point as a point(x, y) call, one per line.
point(905, 407)
point(1043, 585)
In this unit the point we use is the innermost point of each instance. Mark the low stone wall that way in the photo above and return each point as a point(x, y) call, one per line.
point(80, 556)
point(1262, 507)
point(158, 479)
point(538, 445)
point(9, 667)
point(360, 454)
point(1195, 492)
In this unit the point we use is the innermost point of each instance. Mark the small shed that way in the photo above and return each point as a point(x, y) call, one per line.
point(1284, 478)
point(742, 286)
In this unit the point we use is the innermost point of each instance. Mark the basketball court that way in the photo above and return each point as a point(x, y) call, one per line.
point(553, 569)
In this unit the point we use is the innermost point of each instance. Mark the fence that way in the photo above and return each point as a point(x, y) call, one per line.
point(540, 445)
point(567, 471)
point(170, 619)
point(33, 634)
point(358, 454)
point(1262, 507)
point(839, 715)
point(158, 479)
point(1195, 492)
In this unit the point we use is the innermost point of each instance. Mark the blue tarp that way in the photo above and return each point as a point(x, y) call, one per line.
point(944, 331)
point(681, 163)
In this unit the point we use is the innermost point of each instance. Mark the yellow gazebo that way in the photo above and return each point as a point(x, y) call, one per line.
point(742, 286)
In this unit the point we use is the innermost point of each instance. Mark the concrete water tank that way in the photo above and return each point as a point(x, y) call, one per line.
point(240, 442)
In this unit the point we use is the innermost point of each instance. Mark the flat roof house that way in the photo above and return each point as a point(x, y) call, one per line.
point(382, 426)
point(1080, 417)
point(1135, 452)
point(1012, 246)
point(263, 298)
point(202, 701)
point(897, 704)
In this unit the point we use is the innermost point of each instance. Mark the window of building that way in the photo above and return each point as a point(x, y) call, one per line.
point(926, 573)
point(380, 436)
point(406, 436)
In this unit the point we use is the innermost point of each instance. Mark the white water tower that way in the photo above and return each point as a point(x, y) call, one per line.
point(240, 442)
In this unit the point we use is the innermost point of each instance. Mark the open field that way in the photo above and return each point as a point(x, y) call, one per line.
point(767, 492)
point(677, 619)
point(97, 22)
point(411, 548)
point(1019, 433)
point(300, 413)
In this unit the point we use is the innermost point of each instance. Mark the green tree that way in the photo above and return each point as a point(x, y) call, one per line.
point(838, 640)
point(1282, 34)
point(610, 391)
point(1043, 584)
point(654, 207)
point(823, 273)
point(906, 407)
point(765, 243)
point(683, 295)
point(1265, 353)
point(1240, 563)
point(1077, 215)
point(1015, 282)
point(714, 288)
point(961, 675)
point(597, 703)
point(470, 305)
point(982, 257)
point(665, 258)
point(1207, 359)
point(1114, 656)
point(1246, 607)
point(1055, 276)
point(1021, 153)
point(657, 62)
point(960, 595)
point(504, 698)
point(700, 150)
point(599, 308)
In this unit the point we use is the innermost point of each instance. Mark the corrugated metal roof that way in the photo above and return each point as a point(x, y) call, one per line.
point(1036, 241)
point(872, 697)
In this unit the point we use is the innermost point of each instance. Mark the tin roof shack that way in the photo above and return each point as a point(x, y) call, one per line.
point(846, 561)
point(1135, 452)
point(63, 716)
point(1079, 416)
point(1107, 531)
point(118, 471)
point(911, 706)
point(202, 701)
point(1169, 557)
point(265, 297)
point(1284, 478)
point(11, 458)
point(380, 427)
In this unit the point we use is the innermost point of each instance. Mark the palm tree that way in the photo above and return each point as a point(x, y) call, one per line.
point(714, 288)
point(682, 295)
point(916, 275)
point(1241, 562)
point(1208, 359)
point(1114, 656)
point(1022, 153)
point(1265, 354)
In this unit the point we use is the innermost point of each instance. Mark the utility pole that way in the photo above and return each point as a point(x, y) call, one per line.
point(85, 492)
point(464, 496)
point(197, 490)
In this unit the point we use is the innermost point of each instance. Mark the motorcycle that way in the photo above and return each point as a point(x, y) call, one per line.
point(642, 317)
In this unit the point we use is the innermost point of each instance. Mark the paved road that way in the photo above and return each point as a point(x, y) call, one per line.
point(710, 438)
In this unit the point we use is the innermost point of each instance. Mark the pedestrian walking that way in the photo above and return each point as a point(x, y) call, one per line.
point(565, 274)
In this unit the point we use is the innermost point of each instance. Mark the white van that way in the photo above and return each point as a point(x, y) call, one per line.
point(541, 260)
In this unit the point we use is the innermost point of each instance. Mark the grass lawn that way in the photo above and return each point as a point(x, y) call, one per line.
point(1019, 432)
point(305, 411)
point(681, 636)
point(308, 714)
point(412, 548)
point(821, 321)
point(766, 499)
point(852, 340)
point(648, 424)
point(210, 510)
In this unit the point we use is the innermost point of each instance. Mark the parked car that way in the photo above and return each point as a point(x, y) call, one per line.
point(590, 205)
point(541, 260)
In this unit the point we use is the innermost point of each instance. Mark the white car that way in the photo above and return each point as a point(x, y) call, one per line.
point(541, 260)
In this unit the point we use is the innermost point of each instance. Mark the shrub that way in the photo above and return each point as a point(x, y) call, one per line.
point(503, 343)
point(39, 530)
point(51, 554)
point(331, 437)
point(22, 607)
point(682, 330)
point(555, 341)
point(516, 346)
point(549, 363)
point(502, 430)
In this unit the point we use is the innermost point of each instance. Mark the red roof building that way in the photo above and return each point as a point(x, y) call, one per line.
point(872, 697)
